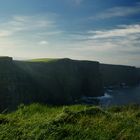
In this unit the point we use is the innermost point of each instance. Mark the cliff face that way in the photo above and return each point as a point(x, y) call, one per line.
point(117, 75)
point(59, 82)
point(138, 71)
point(13, 82)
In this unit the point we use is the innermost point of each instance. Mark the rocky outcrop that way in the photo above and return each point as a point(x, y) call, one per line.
point(57, 82)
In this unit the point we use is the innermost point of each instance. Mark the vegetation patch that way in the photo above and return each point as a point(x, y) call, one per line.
point(43, 60)
point(40, 122)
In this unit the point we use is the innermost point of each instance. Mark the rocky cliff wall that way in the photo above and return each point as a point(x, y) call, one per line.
point(59, 82)
point(138, 71)
point(113, 75)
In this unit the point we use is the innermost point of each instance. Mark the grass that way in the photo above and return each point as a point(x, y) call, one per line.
point(43, 60)
point(77, 122)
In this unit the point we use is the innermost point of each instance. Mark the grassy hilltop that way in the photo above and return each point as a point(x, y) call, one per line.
point(79, 122)
point(43, 60)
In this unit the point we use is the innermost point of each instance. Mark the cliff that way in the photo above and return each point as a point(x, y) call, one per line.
point(138, 71)
point(61, 81)
point(113, 75)
point(58, 81)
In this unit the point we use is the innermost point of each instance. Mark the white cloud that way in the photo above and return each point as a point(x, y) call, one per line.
point(120, 45)
point(43, 42)
point(118, 12)
point(32, 21)
point(122, 31)
point(50, 33)
point(24, 23)
point(5, 33)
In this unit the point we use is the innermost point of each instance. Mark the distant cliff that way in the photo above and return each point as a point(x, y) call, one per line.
point(138, 71)
point(113, 75)
point(61, 81)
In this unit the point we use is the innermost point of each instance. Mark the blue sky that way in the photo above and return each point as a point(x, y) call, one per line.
point(103, 30)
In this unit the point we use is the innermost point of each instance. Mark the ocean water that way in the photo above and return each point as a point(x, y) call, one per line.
point(130, 95)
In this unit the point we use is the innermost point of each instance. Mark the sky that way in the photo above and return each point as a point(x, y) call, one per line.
point(107, 31)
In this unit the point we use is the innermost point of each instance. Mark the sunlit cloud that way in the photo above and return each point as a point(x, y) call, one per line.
point(43, 42)
point(122, 31)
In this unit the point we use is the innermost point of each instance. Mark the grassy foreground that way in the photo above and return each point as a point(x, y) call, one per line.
point(78, 122)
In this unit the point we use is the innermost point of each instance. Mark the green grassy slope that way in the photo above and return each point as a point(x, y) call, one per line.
point(43, 60)
point(79, 122)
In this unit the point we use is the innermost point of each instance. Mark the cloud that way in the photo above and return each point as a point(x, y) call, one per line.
point(43, 42)
point(121, 11)
point(5, 33)
point(119, 45)
point(122, 31)
point(32, 21)
point(50, 33)
point(18, 24)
